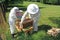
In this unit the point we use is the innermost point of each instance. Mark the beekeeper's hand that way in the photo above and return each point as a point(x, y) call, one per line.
point(21, 25)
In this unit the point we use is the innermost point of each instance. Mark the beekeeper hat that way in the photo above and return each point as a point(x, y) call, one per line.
point(16, 9)
point(32, 9)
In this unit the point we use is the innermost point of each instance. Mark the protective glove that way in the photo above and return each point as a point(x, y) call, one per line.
point(21, 26)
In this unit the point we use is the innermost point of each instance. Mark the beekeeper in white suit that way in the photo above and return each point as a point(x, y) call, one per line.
point(12, 18)
point(33, 12)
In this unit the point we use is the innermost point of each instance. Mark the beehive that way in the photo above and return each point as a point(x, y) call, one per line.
point(27, 25)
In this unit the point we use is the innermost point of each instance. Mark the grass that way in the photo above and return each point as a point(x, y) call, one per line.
point(49, 17)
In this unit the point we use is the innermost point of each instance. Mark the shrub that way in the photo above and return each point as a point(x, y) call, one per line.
point(50, 1)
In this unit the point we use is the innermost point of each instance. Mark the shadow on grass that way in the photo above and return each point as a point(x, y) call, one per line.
point(44, 27)
point(55, 20)
point(41, 7)
point(46, 36)
point(41, 35)
point(24, 8)
point(20, 8)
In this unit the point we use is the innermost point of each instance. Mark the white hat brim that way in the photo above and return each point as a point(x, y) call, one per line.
point(31, 12)
point(31, 9)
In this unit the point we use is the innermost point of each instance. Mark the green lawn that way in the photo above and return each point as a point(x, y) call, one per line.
point(50, 17)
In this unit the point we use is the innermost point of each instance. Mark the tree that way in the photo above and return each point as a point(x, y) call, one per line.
point(3, 7)
point(58, 2)
point(50, 1)
point(3, 25)
point(38, 0)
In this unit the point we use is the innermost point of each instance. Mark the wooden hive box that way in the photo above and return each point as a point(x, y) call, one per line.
point(27, 25)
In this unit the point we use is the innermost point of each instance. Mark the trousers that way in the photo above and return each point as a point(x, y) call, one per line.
point(12, 27)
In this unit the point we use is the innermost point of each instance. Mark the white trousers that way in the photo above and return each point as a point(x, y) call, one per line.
point(12, 27)
point(35, 25)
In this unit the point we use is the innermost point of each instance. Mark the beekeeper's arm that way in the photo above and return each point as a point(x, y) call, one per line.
point(23, 17)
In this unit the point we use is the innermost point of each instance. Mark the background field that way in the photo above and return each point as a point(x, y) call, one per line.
point(49, 17)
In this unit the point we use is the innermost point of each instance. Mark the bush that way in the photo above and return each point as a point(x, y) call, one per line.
point(44, 1)
point(50, 1)
point(41, 1)
point(53, 1)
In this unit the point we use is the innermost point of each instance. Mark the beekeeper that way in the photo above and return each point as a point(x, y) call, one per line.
point(12, 18)
point(33, 12)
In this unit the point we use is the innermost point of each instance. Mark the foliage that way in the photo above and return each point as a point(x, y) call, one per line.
point(50, 1)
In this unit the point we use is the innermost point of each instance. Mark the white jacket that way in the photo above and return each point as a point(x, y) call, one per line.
point(12, 16)
point(31, 16)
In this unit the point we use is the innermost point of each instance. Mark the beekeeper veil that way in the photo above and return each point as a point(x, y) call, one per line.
point(32, 9)
point(14, 10)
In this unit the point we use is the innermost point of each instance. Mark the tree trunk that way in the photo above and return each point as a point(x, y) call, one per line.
point(2, 26)
point(3, 8)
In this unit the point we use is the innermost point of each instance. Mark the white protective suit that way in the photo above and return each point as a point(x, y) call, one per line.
point(12, 18)
point(34, 15)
